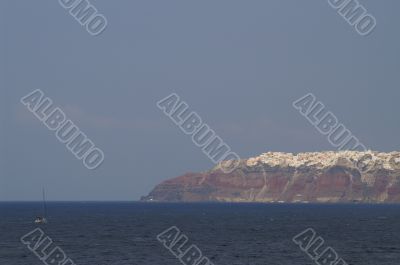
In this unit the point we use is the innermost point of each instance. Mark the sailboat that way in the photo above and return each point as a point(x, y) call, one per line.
point(42, 219)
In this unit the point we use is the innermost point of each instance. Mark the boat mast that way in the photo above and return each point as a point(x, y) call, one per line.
point(44, 204)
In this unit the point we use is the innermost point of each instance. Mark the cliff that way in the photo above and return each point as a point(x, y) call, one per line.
point(345, 176)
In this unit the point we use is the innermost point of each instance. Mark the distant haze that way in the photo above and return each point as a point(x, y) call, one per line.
point(238, 64)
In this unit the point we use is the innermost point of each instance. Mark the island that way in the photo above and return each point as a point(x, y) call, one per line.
point(277, 177)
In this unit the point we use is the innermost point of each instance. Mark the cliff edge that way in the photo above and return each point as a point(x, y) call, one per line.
point(327, 177)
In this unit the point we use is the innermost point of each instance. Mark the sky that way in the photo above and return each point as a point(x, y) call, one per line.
point(238, 64)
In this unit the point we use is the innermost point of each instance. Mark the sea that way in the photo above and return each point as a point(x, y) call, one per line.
point(125, 233)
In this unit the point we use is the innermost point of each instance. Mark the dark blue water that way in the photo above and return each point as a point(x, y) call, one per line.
point(125, 233)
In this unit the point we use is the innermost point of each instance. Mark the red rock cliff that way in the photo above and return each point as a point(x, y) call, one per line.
point(346, 176)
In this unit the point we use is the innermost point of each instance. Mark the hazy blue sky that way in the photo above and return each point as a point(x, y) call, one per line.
point(239, 64)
